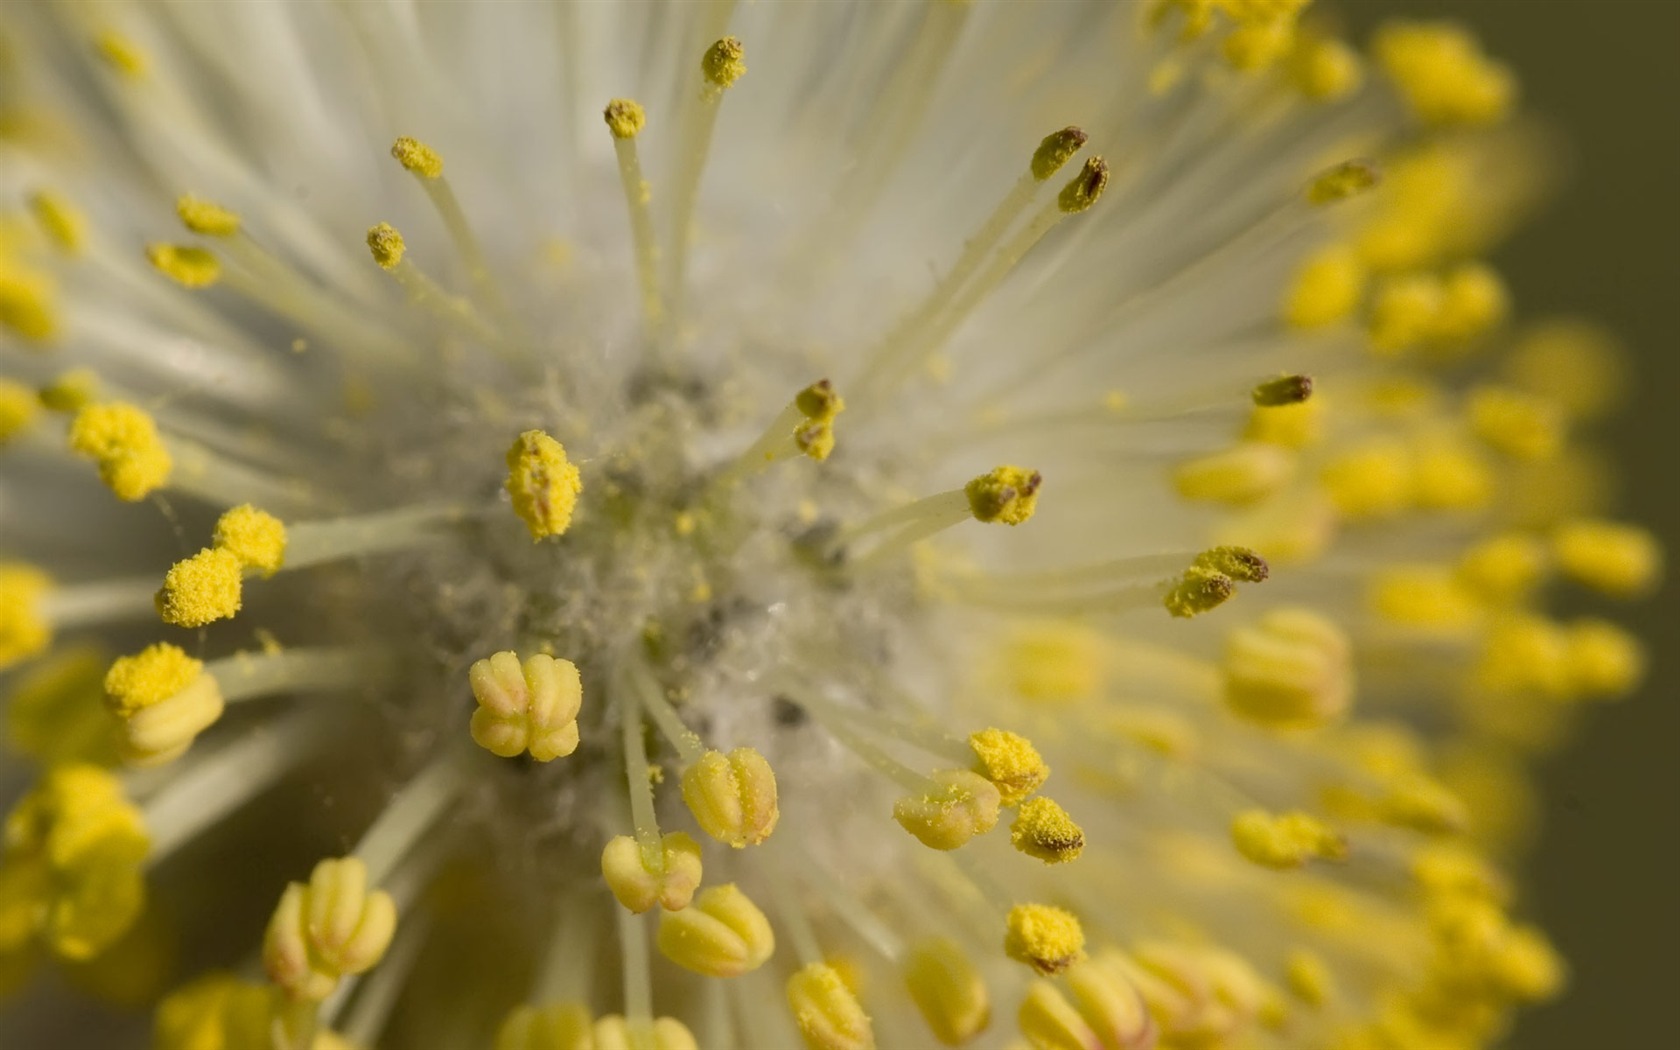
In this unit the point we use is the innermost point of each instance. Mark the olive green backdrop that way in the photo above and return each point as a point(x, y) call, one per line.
point(1606, 874)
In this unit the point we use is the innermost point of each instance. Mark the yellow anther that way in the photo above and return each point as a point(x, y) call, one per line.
point(1284, 390)
point(1244, 473)
point(1422, 804)
point(1043, 829)
point(1518, 424)
point(948, 991)
point(1257, 45)
point(964, 804)
point(221, 1012)
point(185, 265)
point(1239, 563)
point(28, 302)
point(23, 630)
point(1324, 69)
point(530, 706)
point(1056, 150)
point(1574, 364)
point(1326, 288)
point(164, 700)
point(1524, 654)
point(386, 245)
point(615, 1032)
point(121, 54)
point(543, 483)
point(1478, 950)
point(257, 538)
point(1044, 937)
point(625, 118)
point(1347, 179)
point(1101, 1009)
point(1505, 568)
point(819, 404)
point(1604, 660)
point(201, 589)
point(417, 157)
point(123, 441)
point(721, 934)
point(1449, 473)
point(1441, 72)
point(1285, 840)
point(70, 873)
point(62, 221)
point(1403, 312)
point(206, 217)
point(331, 927)
point(1166, 733)
point(1198, 591)
point(70, 391)
point(1054, 662)
point(826, 1011)
point(558, 1026)
point(1473, 302)
point(1424, 597)
point(1451, 869)
point(1370, 480)
point(723, 64)
point(733, 796)
point(1086, 188)
point(56, 713)
point(1007, 494)
point(638, 887)
point(1292, 669)
point(1620, 560)
point(18, 409)
point(1292, 426)
point(1009, 761)
point(1309, 977)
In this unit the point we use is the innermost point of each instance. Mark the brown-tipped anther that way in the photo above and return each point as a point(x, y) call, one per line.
point(1085, 188)
point(1284, 390)
point(1056, 150)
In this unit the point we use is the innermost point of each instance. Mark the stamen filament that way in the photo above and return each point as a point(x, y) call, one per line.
point(873, 756)
point(642, 814)
point(688, 744)
point(638, 976)
point(247, 676)
point(454, 219)
point(625, 119)
point(314, 542)
point(795, 923)
point(370, 1010)
point(99, 602)
point(431, 296)
point(698, 118)
point(411, 814)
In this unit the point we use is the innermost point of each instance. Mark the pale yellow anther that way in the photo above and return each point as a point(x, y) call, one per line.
point(826, 1011)
point(948, 991)
point(1371, 479)
point(19, 408)
point(1450, 472)
point(1056, 150)
point(1452, 869)
point(123, 441)
point(556, 1026)
point(1239, 563)
point(1257, 45)
point(819, 403)
point(216, 1012)
point(1474, 301)
point(1285, 840)
point(1100, 1009)
point(1291, 669)
point(724, 63)
point(962, 805)
point(1347, 179)
point(386, 245)
point(1575, 364)
point(1516, 423)
point(639, 888)
point(733, 796)
point(70, 873)
point(28, 302)
point(625, 118)
point(526, 706)
point(1504, 569)
point(1309, 977)
point(1524, 654)
point(720, 934)
point(1244, 473)
point(55, 710)
point(24, 631)
point(164, 699)
point(1324, 69)
point(255, 537)
point(543, 484)
point(1403, 312)
point(1009, 761)
point(187, 266)
point(417, 157)
point(1046, 938)
point(1198, 591)
point(1424, 597)
point(70, 391)
point(1043, 830)
point(1293, 426)
point(1327, 287)
point(1441, 72)
point(1007, 494)
point(1284, 390)
point(121, 54)
point(1085, 189)
point(1621, 560)
point(1603, 659)
point(63, 222)
point(206, 218)
point(330, 928)
point(616, 1032)
point(1422, 803)
point(201, 589)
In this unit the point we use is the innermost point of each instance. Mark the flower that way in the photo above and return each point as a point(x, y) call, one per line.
point(692, 532)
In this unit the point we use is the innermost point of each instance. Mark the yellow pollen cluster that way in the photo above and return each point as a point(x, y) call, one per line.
point(1056, 150)
point(201, 589)
point(819, 404)
point(1286, 840)
point(530, 706)
point(724, 63)
point(1010, 762)
point(386, 245)
point(625, 118)
point(206, 217)
point(256, 537)
point(164, 699)
point(1086, 188)
point(543, 483)
point(721, 934)
point(826, 1011)
point(187, 266)
point(62, 221)
point(960, 806)
point(123, 441)
point(733, 796)
point(638, 887)
point(1007, 494)
point(948, 990)
point(1443, 74)
point(1045, 937)
point(1324, 69)
point(417, 157)
point(1043, 830)
point(28, 302)
point(1520, 425)
point(327, 929)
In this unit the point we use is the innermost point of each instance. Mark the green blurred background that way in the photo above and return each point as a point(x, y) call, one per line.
point(1605, 878)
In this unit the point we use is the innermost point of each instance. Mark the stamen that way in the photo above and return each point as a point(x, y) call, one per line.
point(19, 408)
point(1005, 494)
point(530, 706)
point(389, 251)
point(64, 223)
point(1043, 829)
point(625, 119)
point(123, 441)
point(326, 930)
point(88, 604)
point(722, 934)
point(805, 426)
point(543, 484)
point(1047, 938)
point(826, 1011)
point(723, 64)
point(423, 162)
point(948, 990)
point(733, 797)
point(1287, 840)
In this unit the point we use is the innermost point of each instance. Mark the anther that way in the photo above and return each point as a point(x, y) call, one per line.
point(19, 408)
point(328, 929)
point(1294, 668)
point(185, 265)
point(164, 699)
point(638, 887)
point(543, 483)
point(255, 537)
point(386, 245)
point(724, 63)
point(70, 391)
point(948, 991)
point(62, 221)
point(961, 806)
point(206, 217)
point(24, 629)
point(625, 118)
point(721, 934)
point(1198, 591)
point(1085, 189)
point(1620, 560)
point(1286, 840)
point(417, 157)
point(1240, 563)
point(526, 706)
point(733, 796)
point(819, 404)
point(1347, 179)
point(1006, 494)
point(827, 1011)
point(1010, 762)
point(1046, 938)
point(1043, 830)
point(201, 589)
point(1056, 150)
point(123, 441)
point(1284, 390)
